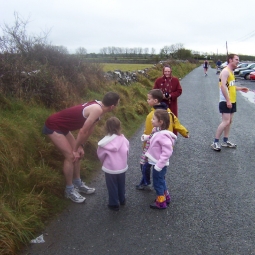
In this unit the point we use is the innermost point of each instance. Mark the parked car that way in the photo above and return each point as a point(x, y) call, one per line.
point(238, 70)
point(241, 65)
point(252, 75)
point(246, 73)
point(223, 65)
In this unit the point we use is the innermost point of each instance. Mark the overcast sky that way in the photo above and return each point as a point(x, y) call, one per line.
point(200, 25)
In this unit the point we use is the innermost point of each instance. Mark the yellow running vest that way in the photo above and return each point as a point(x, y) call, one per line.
point(231, 88)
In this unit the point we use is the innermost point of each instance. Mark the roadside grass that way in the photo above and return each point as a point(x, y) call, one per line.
point(31, 179)
point(125, 67)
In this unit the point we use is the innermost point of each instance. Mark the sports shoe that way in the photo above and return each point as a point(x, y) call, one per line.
point(158, 205)
point(85, 189)
point(123, 203)
point(228, 144)
point(216, 146)
point(114, 207)
point(75, 196)
point(168, 198)
point(143, 187)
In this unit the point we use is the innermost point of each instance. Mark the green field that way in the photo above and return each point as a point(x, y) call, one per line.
point(125, 67)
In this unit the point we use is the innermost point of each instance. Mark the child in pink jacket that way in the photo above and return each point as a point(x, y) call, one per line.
point(159, 151)
point(113, 153)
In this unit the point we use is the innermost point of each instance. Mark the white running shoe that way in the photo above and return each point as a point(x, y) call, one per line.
point(228, 144)
point(216, 146)
point(75, 196)
point(84, 189)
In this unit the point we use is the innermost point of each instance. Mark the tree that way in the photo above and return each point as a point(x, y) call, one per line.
point(16, 40)
point(153, 51)
point(165, 51)
point(81, 51)
point(183, 54)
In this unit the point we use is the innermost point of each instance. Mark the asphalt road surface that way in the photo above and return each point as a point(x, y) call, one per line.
point(213, 206)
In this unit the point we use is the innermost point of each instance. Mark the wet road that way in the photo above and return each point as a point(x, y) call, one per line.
point(213, 206)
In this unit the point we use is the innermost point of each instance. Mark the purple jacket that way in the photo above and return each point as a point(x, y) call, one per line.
point(160, 149)
point(112, 151)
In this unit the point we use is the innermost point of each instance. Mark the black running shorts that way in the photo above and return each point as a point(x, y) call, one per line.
point(47, 131)
point(224, 109)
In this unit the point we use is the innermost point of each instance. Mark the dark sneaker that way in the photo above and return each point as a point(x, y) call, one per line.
point(114, 207)
point(140, 187)
point(216, 146)
point(228, 144)
point(143, 187)
point(123, 203)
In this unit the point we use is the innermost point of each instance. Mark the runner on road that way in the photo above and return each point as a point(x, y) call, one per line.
point(227, 104)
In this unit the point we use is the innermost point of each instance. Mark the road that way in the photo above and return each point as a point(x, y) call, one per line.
point(213, 207)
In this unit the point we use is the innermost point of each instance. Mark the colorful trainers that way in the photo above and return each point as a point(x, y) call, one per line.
point(75, 196)
point(168, 198)
point(216, 146)
point(85, 189)
point(158, 205)
point(228, 144)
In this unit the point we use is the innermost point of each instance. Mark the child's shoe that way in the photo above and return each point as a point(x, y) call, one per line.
point(159, 203)
point(114, 207)
point(123, 202)
point(140, 187)
point(143, 187)
point(168, 198)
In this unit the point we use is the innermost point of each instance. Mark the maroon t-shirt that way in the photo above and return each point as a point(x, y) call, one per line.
point(69, 119)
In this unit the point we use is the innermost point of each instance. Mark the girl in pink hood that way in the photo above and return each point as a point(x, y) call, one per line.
point(113, 153)
point(158, 154)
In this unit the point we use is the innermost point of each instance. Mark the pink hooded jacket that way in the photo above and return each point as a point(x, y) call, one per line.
point(160, 149)
point(113, 151)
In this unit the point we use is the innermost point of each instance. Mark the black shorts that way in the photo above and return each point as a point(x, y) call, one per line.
point(47, 131)
point(224, 109)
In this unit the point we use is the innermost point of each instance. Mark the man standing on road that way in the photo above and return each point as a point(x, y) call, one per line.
point(227, 104)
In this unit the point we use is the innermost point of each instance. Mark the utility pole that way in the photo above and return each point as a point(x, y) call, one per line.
point(227, 48)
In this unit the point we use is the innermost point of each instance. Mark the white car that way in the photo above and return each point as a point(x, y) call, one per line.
point(224, 65)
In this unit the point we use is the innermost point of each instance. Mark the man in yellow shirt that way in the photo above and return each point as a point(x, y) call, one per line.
point(227, 104)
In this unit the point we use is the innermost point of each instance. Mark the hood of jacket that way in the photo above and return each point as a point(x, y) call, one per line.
point(170, 134)
point(110, 143)
point(162, 105)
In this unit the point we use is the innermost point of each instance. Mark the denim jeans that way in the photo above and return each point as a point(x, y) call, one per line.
point(159, 182)
point(146, 174)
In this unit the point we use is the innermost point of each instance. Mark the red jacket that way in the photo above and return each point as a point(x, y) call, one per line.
point(173, 87)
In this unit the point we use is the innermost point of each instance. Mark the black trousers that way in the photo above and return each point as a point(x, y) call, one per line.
point(116, 188)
